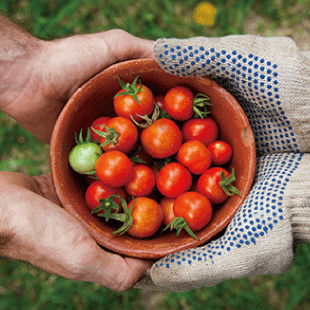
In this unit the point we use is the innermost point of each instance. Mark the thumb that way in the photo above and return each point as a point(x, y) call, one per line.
point(124, 46)
point(89, 54)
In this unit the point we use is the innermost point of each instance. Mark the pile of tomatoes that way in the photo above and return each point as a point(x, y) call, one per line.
point(158, 163)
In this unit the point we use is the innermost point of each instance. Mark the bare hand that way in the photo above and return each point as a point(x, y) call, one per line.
point(39, 231)
point(38, 77)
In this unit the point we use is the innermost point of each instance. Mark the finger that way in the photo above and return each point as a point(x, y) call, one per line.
point(51, 239)
point(41, 185)
point(116, 272)
point(125, 46)
point(89, 54)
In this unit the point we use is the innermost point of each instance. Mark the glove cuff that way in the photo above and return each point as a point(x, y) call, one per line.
point(298, 201)
point(301, 223)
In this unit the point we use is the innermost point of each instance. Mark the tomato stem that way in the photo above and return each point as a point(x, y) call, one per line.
point(200, 104)
point(180, 223)
point(80, 140)
point(125, 217)
point(148, 121)
point(130, 89)
point(226, 185)
point(107, 205)
point(110, 135)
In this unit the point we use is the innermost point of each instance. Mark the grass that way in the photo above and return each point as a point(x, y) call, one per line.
point(23, 286)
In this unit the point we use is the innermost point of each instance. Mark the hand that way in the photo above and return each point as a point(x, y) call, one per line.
point(270, 78)
point(38, 77)
point(34, 228)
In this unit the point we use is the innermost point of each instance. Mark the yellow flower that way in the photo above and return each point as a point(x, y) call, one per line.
point(204, 14)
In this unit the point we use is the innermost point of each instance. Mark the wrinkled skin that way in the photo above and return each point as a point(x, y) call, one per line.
point(33, 225)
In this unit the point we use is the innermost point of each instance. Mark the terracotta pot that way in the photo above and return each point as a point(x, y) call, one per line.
point(94, 99)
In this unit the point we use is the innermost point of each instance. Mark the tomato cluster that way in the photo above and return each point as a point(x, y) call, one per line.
point(158, 162)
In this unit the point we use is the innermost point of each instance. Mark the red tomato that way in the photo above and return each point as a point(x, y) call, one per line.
point(167, 206)
point(122, 135)
point(195, 156)
point(209, 184)
point(142, 183)
point(147, 217)
point(114, 168)
point(98, 124)
point(204, 130)
point(162, 139)
point(173, 180)
point(221, 152)
point(97, 190)
point(195, 208)
point(179, 103)
point(159, 99)
point(126, 105)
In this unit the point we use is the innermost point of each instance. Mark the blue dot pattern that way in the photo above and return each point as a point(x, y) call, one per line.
point(260, 213)
point(251, 79)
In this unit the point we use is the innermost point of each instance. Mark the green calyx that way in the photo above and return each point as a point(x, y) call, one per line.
point(110, 135)
point(125, 217)
point(130, 89)
point(226, 183)
point(161, 163)
point(136, 159)
point(180, 223)
point(79, 139)
point(106, 205)
point(148, 122)
point(200, 105)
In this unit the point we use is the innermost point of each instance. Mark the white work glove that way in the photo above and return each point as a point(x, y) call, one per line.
point(270, 78)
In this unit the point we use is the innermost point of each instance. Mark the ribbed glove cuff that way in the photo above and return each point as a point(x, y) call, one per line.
point(298, 201)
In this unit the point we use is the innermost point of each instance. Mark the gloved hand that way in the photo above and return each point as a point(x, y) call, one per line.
point(270, 78)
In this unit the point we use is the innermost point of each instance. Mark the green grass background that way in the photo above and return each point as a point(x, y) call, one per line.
point(23, 286)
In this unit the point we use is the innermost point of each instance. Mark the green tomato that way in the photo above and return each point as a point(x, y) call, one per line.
point(83, 157)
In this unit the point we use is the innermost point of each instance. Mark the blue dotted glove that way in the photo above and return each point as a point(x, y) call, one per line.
point(270, 78)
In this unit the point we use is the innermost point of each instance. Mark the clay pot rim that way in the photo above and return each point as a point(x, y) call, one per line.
point(123, 244)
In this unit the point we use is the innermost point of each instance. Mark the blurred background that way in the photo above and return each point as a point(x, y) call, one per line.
point(24, 287)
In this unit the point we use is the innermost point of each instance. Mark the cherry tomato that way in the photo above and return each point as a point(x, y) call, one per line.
point(142, 183)
point(114, 168)
point(97, 190)
point(147, 217)
point(204, 130)
point(122, 135)
point(127, 106)
point(159, 100)
point(167, 206)
point(98, 124)
point(83, 157)
point(173, 180)
point(195, 208)
point(162, 139)
point(221, 152)
point(209, 185)
point(195, 156)
point(179, 103)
